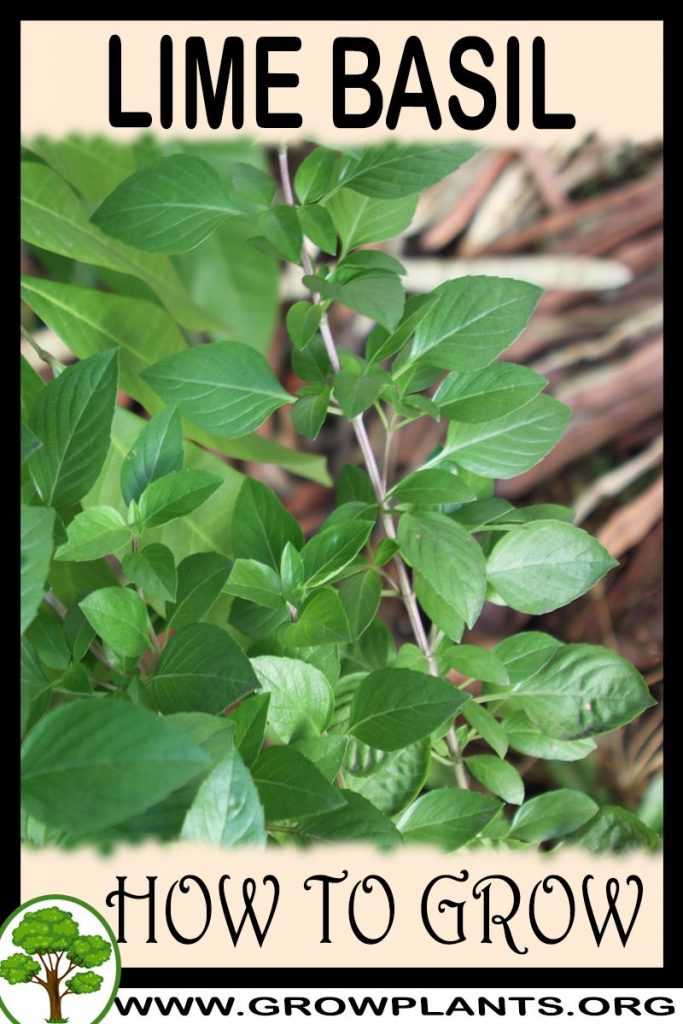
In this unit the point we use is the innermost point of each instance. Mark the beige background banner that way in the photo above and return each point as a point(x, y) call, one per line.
point(607, 73)
point(294, 937)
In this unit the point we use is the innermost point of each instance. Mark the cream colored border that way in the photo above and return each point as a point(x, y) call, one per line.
point(607, 73)
point(294, 939)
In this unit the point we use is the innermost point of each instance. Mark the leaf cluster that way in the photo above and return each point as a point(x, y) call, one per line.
point(192, 665)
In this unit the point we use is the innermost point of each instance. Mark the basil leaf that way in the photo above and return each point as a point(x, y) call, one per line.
point(396, 707)
point(130, 757)
point(227, 388)
point(202, 669)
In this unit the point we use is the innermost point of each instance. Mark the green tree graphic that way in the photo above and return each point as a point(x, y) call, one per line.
point(52, 936)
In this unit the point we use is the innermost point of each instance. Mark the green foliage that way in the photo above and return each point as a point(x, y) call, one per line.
point(169, 206)
point(19, 968)
point(49, 928)
point(226, 810)
point(88, 981)
point(203, 670)
point(89, 951)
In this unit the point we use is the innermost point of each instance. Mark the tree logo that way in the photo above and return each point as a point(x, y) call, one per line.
point(48, 949)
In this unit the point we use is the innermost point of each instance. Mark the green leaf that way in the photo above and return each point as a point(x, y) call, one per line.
point(94, 165)
point(158, 450)
point(164, 820)
point(251, 189)
point(326, 753)
point(291, 570)
point(176, 494)
point(382, 344)
point(356, 393)
point(202, 669)
point(72, 417)
point(501, 778)
point(35, 688)
point(76, 680)
point(391, 171)
point(303, 320)
point(30, 386)
point(486, 725)
point(360, 597)
point(153, 570)
point(312, 363)
point(262, 527)
point(317, 224)
point(331, 550)
point(255, 582)
point(480, 513)
point(316, 174)
point(390, 781)
point(487, 394)
point(353, 484)
point(615, 830)
point(310, 412)
point(545, 565)
point(358, 822)
point(583, 691)
point(369, 259)
point(431, 487)
point(531, 513)
point(448, 558)
point(552, 815)
point(227, 388)
point(169, 206)
point(438, 610)
point(78, 632)
point(322, 620)
point(94, 533)
point(447, 817)
point(360, 220)
point(254, 620)
point(471, 320)
point(91, 321)
point(477, 663)
point(130, 757)
point(377, 294)
point(46, 634)
point(201, 577)
point(119, 617)
point(509, 445)
point(29, 442)
point(226, 810)
point(234, 281)
point(280, 225)
point(37, 525)
point(525, 653)
point(249, 719)
point(53, 218)
point(528, 739)
point(301, 699)
point(290, 787)
point(205, 529)
point(385, 551)
point(395, 707)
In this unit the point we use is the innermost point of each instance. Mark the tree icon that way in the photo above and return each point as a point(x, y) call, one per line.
point(52, 936)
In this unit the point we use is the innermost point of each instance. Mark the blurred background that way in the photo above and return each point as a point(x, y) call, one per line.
point(585, 223)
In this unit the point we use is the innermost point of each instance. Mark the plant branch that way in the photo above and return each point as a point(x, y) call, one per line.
point(69, 969)
point(405, 586)
point(42, 353)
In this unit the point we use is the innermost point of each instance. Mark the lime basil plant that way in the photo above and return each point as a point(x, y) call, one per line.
point(193, 666)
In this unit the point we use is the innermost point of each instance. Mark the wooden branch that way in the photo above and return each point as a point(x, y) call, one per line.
point(629, 525)
point(465, 206)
